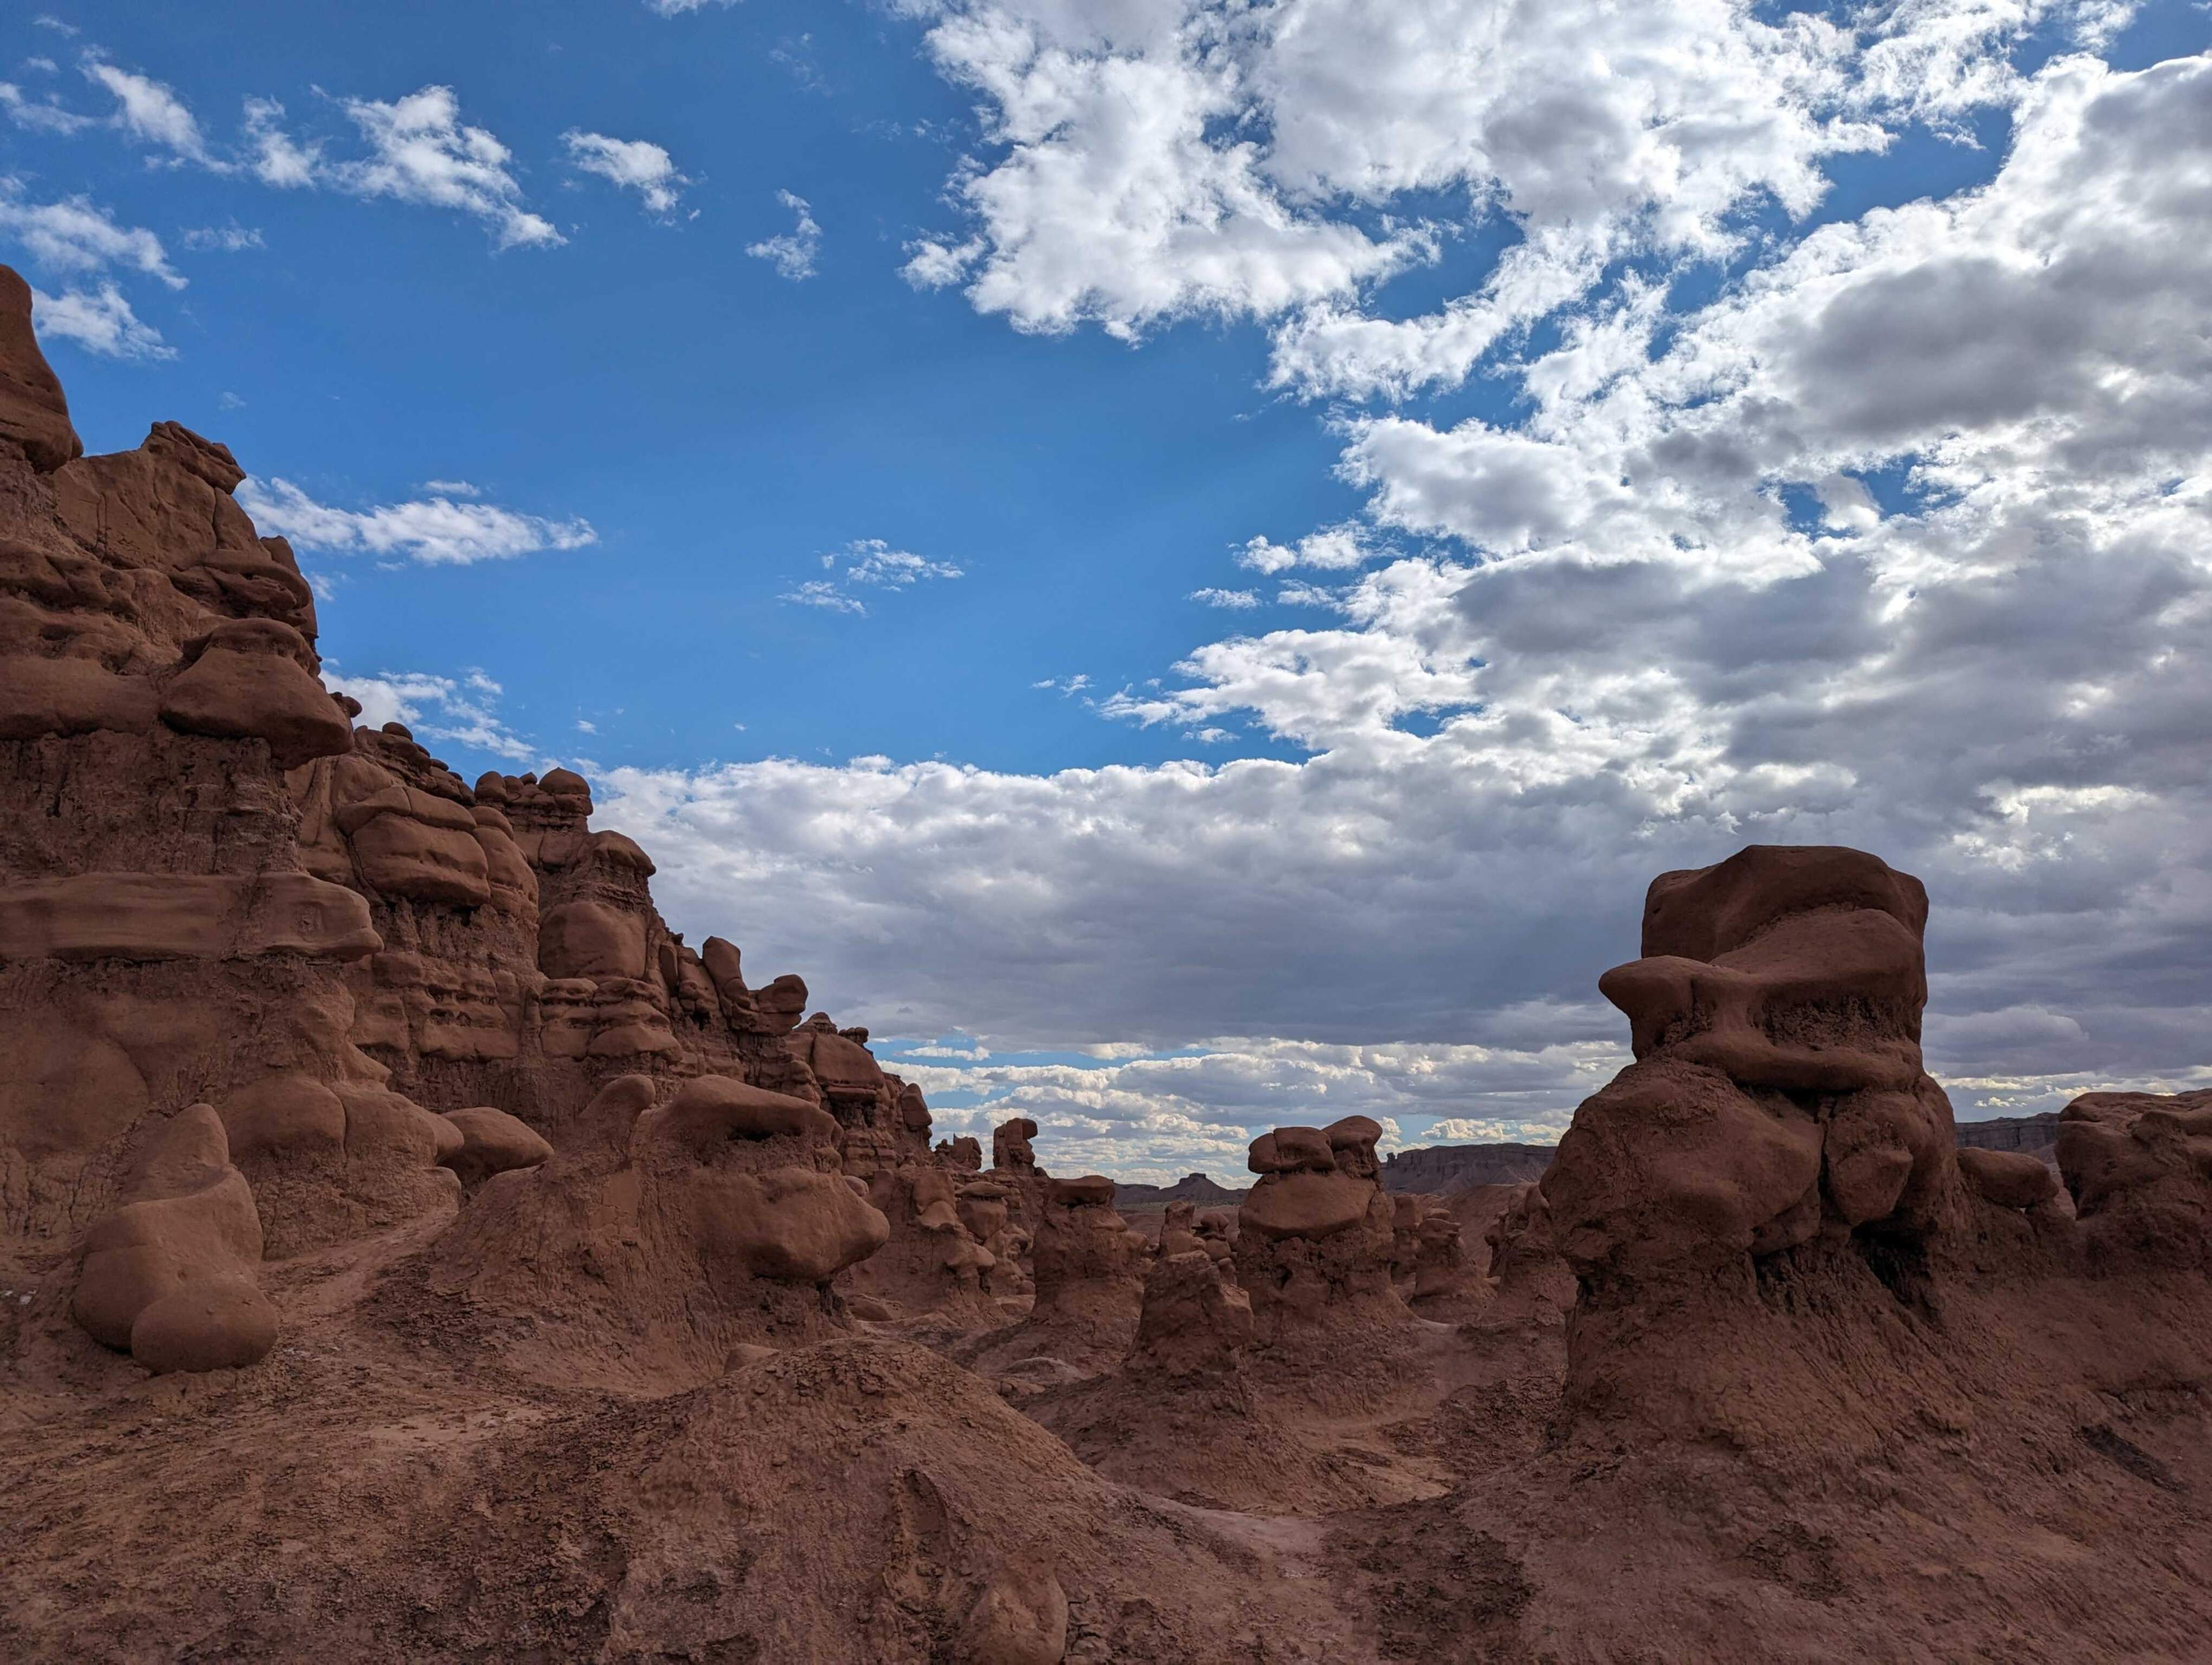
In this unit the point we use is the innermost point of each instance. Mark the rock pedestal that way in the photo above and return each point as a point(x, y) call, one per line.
point(1315, 1235)
point(1776, 1124)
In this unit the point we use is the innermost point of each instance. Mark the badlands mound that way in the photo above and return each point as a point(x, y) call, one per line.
point(412, 1249)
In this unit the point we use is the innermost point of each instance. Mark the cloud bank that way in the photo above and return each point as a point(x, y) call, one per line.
point(1895, 535)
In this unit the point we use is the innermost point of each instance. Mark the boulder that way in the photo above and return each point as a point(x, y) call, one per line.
point(170, 1275)
point(492, 1142)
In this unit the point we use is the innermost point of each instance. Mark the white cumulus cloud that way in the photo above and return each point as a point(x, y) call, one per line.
point(422, 152)
point(43, 114)
point(76, 235)
point(869, 562)
point(792, 252)
point(1896, 539)
point(151, 111)
point(436, 531)
point(100, 320)
point(634, 164)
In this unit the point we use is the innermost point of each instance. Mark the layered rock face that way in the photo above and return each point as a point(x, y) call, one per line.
point(524, 964)
point(165, 956)
point(1315, 1237)
point(885, 1120)
point(218, 898)
point(1776, 1091)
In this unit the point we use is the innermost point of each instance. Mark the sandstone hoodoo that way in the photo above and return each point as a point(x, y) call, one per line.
point(1010, 1146)
point(1089, 1272)
point(411, 1247)
point(1194, 1321)
point(1314, 1237)
point(1776, 1022)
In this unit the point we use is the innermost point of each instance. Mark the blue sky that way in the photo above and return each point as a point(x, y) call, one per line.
point(720, 426)
point(1186, 562)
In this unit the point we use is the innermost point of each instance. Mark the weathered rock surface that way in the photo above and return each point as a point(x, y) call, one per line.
point(2139, 1168)
point(1089, 1271)
point(162, 944)
point(1775, 1021)
point(1315, 1235)
point(170, 1275)
point(1010, 1146)
point(492, 1142)
point(1194, 1321)
point(715, 1215)
point(34, 419)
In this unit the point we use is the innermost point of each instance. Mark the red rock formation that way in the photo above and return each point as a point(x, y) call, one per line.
point(939, 1258)
point(1776, 1132)
point(886, 1120)
point(525, 964)
point(1179, 1229)
point(1010, 1146)
point(1314, 1237)
point(1530, 1277)
point(1775, 1019)
point(161, 943)
point(2139, 1168)
point(988, 1207)
point(717, 1216)
point(1430, 1261)
point(492, 1142)
point(1776, 1022)
point(1215, 1230)
point(171, 1274)
point(1195, 1322)
point(34, 419)
point(1089, 1268)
